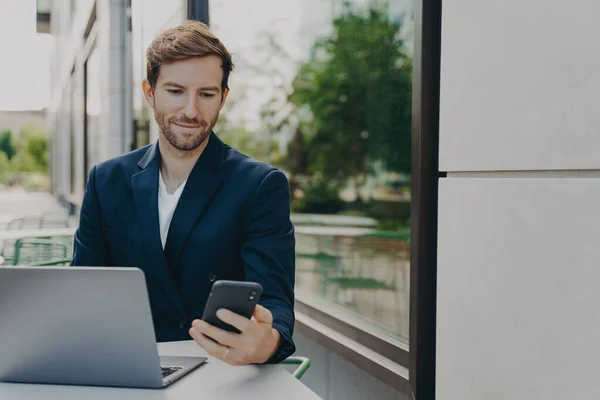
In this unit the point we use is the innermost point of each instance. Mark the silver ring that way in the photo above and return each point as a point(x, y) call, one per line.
point(226, 352)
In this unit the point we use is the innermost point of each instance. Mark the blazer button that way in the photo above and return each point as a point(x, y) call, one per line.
point(212, 276)
point(182, 324)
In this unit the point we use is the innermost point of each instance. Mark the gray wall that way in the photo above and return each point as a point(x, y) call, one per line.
point(518, 217)
point(66, 109)
point(332, 377)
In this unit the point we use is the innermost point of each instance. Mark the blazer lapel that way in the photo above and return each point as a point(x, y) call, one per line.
point(145, 195)
point(202, 183)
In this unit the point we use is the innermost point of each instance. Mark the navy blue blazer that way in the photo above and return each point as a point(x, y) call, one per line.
point(232, 222)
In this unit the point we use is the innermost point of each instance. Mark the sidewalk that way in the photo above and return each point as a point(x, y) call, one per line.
point(15, 203)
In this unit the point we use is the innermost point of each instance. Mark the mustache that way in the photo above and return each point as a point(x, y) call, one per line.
point(188, 121)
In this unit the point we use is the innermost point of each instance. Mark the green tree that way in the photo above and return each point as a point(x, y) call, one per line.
point(296, 161)
point(32, 150)
point(6, 144)
point(5, 166)
point(24, 162)
point(236, 136)
point(37, 147)
point(357, 85)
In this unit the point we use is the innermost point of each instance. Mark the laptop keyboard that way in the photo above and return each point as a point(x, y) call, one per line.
point(166, 371)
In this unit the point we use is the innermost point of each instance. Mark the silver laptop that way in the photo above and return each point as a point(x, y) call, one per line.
point(81, 326)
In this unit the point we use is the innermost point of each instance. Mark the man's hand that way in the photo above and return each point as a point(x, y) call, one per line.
point(256, 343)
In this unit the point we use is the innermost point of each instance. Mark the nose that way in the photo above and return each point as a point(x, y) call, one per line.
point(190, 110)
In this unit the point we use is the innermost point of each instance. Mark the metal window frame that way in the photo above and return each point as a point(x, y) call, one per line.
point(424, 192)
point(198, 10)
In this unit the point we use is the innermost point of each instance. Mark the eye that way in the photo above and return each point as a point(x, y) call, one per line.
point(174, 91)
point(208, 95)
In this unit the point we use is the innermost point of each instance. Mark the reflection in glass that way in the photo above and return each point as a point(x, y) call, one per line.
point(322, 90)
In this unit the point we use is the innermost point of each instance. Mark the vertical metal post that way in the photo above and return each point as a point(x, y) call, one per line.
point(424, 193)
point(198, 10)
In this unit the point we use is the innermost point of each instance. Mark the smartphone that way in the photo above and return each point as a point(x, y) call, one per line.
point(236, 296)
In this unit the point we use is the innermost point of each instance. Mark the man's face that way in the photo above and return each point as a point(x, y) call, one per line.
point(187, 100)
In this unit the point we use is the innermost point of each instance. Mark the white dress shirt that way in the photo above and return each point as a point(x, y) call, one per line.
point(166, 207)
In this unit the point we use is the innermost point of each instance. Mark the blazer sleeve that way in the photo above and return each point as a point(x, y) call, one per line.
point(268, 254)
point(90, 247)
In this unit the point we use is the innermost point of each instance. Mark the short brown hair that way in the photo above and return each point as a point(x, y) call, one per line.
point(189, 39)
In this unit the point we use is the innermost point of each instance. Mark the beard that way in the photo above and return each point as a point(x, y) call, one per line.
point(185, 142)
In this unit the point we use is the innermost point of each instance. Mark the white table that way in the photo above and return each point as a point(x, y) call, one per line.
point(38, 232)
point(213, 380)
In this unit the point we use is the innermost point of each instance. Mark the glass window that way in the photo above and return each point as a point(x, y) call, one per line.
point(322, 90)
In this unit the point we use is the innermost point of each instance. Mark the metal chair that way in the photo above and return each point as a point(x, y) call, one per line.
point(54, 220)
point(57, 262)
point(302, 362)
point(15, 224)
point(36, 251)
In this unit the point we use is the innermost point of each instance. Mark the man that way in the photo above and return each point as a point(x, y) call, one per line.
point(189, 210)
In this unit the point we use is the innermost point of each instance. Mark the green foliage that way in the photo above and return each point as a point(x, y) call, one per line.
point(24, 162)
point(357, 85)
point(37, 147)
point(320, 197)
point(5, 166)
point(297, 158)
point(27, 153)
point(7, 146)
point(238, 138)
point(390, 215)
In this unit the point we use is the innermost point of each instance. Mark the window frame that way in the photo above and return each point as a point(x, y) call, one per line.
point(424, 192)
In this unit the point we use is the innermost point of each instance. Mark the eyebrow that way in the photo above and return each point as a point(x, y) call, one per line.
point(205, 88)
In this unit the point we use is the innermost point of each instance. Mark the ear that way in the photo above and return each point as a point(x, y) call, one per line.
point(225, 93)
point(148, 93)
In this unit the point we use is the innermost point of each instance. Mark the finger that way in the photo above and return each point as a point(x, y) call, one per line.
point(225, 338)
point(233, 319)
point(263, 315)
point(213, 348)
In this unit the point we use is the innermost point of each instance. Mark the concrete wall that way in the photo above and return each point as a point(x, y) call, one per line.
point(332, 377)
point(518, 215)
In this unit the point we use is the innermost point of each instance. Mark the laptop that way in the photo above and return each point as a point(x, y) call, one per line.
point(81, 326)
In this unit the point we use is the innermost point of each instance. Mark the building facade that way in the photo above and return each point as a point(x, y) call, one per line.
point(98, 57)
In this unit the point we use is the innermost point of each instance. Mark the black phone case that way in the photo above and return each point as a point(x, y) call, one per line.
point(233, 296)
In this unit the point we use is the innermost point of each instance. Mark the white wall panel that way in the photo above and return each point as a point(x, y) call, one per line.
point(518, 289)
point(520, 85)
